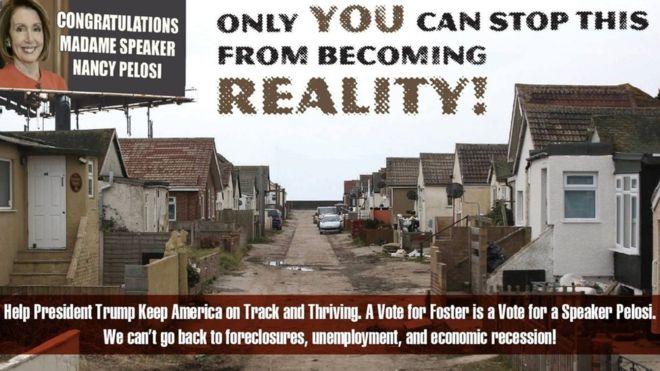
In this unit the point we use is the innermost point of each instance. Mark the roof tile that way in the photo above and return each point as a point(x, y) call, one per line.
point(475, 160)
point(437, 168)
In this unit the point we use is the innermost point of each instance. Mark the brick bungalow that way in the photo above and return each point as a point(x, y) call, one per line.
point(189, 165)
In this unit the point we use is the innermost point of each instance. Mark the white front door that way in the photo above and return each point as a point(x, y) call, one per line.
point(47, 202)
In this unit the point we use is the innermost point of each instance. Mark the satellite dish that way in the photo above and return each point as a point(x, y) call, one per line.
point(455, 190)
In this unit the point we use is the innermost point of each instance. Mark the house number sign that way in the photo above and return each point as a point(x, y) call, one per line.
point(75, 182)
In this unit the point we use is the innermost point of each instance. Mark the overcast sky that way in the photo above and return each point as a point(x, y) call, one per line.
point(311, 154)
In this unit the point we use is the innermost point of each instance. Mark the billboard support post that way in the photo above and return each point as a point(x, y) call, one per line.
point(62, 112)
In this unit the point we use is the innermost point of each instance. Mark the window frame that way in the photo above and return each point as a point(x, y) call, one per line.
point(520, 204)
point(580, 187)
point(634, 194)
point(10, 203)
point(171, 201)
point(90, 179)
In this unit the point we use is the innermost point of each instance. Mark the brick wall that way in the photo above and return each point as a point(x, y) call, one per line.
point(187, 205)
point(480, 238)
point(242, 218)
point(438, 273)
point(125, 248)
point(454, 253)
point(209, 267)
point(85, 270)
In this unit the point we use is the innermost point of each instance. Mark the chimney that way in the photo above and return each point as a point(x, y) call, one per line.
point(62, 112)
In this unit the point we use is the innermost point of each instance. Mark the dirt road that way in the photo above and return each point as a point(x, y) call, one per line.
point(299, 260)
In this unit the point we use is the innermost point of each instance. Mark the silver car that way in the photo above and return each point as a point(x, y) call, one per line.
point(330, 223)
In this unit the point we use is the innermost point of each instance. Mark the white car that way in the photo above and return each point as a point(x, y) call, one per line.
point(330, 223)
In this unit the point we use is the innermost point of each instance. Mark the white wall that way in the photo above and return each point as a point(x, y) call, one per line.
point(578, 247)
point(522, 183)
point(111, 163)
point(536, 255)
point(136, 208)
point(434, 205)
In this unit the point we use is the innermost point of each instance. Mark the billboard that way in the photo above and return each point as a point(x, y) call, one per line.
point(94, 46)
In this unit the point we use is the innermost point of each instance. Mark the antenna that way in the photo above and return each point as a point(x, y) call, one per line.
point(150, 124)
point(128, 120)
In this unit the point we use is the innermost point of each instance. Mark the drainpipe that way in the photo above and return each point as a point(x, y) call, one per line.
point(101, 213)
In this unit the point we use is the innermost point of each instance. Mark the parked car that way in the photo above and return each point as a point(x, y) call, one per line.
point(330, 223)
point(276, 216)
point(322, 211)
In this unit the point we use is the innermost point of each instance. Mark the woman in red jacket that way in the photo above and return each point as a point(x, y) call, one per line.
point(24, 42)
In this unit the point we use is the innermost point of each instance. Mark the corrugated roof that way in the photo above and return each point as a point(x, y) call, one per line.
point(475, 160)
point(437, 168)
point(402, 171)
point(183, 162)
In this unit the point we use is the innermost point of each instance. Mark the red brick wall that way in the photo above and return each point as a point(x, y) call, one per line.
point(187, 205)
point(454, 253)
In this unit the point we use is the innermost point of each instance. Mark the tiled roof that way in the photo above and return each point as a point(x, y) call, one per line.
point(349, 185)
point(503, 169)
point(247, 184)
point(183, 162)
point(638, 133)
point(402, 171)
point(555, 124)
point(377, 181)
point(226, 168)
point(475, 160)
point(250, 172)
point(364, 182)
point(624, 95)
point(437, 168)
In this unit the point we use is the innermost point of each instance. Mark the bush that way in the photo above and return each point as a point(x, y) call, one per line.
point(495, 214)
point(193, 276)
point(372, 224)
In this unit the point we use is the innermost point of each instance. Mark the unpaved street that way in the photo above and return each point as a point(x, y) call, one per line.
point(301, 261)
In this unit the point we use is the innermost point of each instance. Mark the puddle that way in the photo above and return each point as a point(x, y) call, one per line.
point(280, 263)
point(299, 268)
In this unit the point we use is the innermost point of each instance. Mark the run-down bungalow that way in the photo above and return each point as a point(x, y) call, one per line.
point(188, 165)
point(49, 206)
point(584, 162)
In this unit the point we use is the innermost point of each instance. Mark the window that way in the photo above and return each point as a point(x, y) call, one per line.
point(580, 196)
point(171, 209)
point(627, 213)
point(5, 184)
point(519, 207)
point(203, 207)
point(90, 178)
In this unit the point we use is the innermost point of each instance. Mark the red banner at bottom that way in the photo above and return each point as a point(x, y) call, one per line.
point(311, 324)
